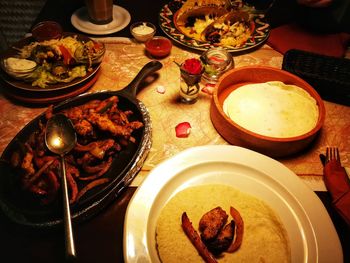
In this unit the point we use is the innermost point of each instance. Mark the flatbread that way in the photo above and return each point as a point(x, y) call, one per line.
point(265, 238)
point(272, 109)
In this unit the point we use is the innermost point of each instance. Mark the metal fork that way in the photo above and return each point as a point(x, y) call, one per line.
point(332, 154)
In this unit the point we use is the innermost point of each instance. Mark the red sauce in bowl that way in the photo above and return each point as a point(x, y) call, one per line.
point(47, 30)
point(158, 46)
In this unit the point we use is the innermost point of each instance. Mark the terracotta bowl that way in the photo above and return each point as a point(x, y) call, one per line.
point(237, 135)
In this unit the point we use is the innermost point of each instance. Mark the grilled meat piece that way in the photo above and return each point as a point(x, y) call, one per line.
point(224, 239)
point(60, 70)
point(42, 53)
point(83, 127)
point(211, 223)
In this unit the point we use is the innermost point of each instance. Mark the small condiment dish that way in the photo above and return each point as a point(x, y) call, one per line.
point(47, 30)
point(19, 68)
point(158, 46)
point(82, 55)
point(142, 31)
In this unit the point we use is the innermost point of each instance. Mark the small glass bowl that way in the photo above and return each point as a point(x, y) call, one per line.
point(47, 30)
point(18, 73)
point(217, 61)
point(158, 46)
point(94, 58)
point(142, 31)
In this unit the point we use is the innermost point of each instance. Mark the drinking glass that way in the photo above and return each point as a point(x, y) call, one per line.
point(100, 11)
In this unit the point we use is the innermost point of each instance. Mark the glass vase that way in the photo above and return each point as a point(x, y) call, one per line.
point(189, 87)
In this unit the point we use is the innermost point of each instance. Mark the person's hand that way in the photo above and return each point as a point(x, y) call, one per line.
point(315, 3)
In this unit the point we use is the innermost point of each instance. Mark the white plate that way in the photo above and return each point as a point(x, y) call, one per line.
point(311, 232)
point(80, 20)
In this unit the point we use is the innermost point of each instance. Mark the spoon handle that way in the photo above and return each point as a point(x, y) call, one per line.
point(70, 247)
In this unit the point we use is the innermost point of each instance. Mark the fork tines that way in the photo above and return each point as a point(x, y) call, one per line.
point(332, 153)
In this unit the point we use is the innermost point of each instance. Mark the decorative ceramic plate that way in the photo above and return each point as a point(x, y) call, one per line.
point(167, 17)
point(26, 86)
point(35, 98)
point(311, 232)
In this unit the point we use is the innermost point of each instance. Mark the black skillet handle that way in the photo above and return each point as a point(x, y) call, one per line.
point(147, 69)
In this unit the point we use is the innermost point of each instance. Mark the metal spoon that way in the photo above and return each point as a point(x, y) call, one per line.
point(60, 138)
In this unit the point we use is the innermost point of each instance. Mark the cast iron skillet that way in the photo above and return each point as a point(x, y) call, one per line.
point(23, 209)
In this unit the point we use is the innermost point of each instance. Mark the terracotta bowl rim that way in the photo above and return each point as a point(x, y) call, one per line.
point(306, 86)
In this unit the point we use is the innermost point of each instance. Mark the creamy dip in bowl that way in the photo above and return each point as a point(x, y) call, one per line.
point(142, 31)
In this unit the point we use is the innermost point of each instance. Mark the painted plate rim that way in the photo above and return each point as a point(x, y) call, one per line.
point(166, 23)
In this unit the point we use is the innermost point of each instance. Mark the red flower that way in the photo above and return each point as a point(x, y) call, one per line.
point(192, 66)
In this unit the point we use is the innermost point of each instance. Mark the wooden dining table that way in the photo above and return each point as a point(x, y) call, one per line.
point(100, 239)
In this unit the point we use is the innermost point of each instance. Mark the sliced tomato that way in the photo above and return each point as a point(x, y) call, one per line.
point(97, 46)
point(67, 57)
point(252, 26)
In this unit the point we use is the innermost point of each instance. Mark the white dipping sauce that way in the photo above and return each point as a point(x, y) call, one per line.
point(19, 64)
point(143, 29)
point(272, 109)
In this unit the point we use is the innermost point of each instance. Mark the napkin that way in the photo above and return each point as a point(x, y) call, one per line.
point(293, 36)
point(338, 185)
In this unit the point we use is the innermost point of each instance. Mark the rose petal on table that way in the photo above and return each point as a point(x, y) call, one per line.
point(161, 89)
point(183, 129)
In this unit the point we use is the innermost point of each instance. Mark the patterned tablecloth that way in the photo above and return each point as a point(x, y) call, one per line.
point(122, 61)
